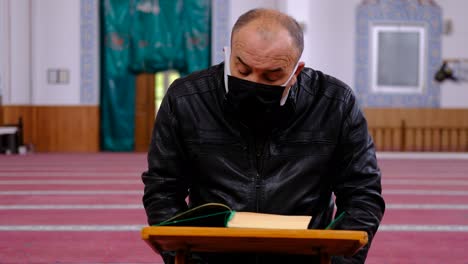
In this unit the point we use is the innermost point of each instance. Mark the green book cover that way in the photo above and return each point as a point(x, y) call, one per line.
point(206, 215)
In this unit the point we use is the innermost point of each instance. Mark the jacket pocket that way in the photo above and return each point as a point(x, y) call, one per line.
point(303, 144)
point(211, 142)
point(292, 149)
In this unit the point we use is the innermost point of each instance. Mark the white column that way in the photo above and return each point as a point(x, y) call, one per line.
point(15, 51)
point(329, 35)
point(4, 51)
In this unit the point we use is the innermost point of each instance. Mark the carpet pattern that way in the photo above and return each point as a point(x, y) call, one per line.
point(86, 208)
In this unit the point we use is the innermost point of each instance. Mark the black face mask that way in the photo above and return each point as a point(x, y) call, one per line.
point(256, 104)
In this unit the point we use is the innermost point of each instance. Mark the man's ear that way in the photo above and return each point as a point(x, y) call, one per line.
point(300, 66)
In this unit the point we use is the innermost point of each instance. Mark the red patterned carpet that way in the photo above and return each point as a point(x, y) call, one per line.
point(86, 208)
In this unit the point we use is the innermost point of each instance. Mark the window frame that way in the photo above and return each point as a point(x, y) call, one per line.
point(398, 27)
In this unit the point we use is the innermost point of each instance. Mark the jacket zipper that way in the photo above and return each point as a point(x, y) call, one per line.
point(253, 152)
point(257, 192)
point(259, 162)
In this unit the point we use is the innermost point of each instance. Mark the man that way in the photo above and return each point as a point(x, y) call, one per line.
point(262, 133)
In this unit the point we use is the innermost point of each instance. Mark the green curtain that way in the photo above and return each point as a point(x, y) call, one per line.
point(117, 83)
point(170, 35)
point(145, 36)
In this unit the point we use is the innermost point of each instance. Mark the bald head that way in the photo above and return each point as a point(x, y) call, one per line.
point(268, 22)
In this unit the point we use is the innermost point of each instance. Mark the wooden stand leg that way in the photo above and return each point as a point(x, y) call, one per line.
point(325, 259)
point(181, 257)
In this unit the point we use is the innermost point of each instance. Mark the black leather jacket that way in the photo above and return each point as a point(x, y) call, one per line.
point(201, 150)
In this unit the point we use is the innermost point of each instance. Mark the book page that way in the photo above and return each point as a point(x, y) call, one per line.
point(274, 221)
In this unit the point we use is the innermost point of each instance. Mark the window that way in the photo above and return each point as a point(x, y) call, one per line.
point(162, 81)
point(398, 58)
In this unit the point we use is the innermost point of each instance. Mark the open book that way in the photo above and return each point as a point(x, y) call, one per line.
point(220, 215)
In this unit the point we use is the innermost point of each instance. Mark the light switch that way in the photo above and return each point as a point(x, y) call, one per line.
point(58, 76)
point(63, 76)
point(52, 76)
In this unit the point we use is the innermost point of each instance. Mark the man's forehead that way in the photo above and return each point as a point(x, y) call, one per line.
point(252, 36)
point(263, 27)
point(256, 51)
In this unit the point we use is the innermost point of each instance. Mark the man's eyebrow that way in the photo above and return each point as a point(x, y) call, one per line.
point(241, 61)
point(246, 65)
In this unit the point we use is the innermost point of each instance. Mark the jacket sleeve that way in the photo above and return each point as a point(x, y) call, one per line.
point(165, 181)
point(357, 185)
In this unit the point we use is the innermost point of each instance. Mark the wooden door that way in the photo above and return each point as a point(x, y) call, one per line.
point(144, 111)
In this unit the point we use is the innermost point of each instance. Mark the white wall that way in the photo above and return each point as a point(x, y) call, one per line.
point(4, 47)
point(329, 35)
point(237, 8)
point(56, 44)
point(16, 56)
point(331, 41)
point(41, 35)
point(455, 45)
point(299, 9)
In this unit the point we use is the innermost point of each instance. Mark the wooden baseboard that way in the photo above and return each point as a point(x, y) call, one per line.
point(76, 128)
point(418, 129)
point(1, 113)
point(57, 128)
